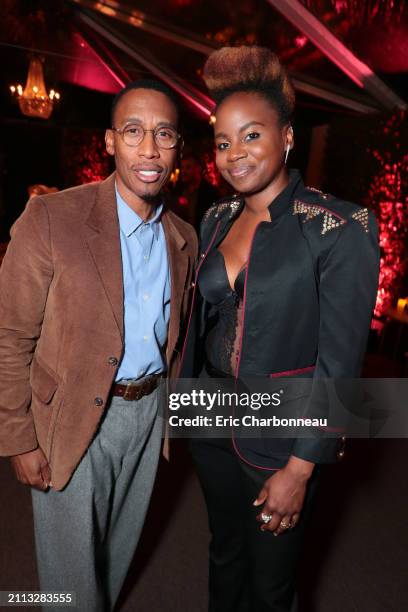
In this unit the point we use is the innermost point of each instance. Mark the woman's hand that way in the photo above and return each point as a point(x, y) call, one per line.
point(283, 495)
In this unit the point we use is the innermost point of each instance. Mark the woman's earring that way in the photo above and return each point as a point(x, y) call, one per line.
point(287, 152)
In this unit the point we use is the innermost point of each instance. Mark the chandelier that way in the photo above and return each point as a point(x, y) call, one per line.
point(33, 100)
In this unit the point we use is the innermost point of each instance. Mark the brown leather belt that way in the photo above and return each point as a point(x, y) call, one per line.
point(134, 390)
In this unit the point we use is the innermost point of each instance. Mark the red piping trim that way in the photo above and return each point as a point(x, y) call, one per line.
point(292, 372)
point(200, 263)
point(330, 212)
point(260, 467)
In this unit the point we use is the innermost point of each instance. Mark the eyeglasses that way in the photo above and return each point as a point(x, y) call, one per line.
point(133, 134)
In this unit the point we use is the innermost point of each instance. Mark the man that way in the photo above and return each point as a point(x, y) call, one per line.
point(93, 289)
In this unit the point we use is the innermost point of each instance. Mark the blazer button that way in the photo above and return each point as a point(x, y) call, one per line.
point(193, 285)
point(202, 255)
point(112, 361)
point(98, 401)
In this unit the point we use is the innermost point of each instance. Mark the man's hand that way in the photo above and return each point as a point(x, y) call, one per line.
point(283, 495)
point(32, 469)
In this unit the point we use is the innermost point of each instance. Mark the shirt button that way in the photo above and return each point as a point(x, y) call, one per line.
point(145, 337)
point(112, 361)
point(98, 401)
point(146, 257)
point(145, 296)
point(193, 285)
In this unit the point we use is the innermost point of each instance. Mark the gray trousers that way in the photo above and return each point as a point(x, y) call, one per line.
point(86, 535)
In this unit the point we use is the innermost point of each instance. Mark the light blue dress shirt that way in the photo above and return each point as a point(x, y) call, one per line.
point(146, 283)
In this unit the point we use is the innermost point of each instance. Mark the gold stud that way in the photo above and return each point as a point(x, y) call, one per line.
point(362, 217)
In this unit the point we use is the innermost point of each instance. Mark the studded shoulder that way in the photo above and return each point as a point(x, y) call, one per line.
point(232, 204)
point(361, 216)
point(332, 211)
point(325, 196)
point(330, 219)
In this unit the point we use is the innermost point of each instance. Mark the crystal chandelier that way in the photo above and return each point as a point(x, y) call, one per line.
point(34, 101)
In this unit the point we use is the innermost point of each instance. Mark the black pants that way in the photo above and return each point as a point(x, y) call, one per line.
point(250, 570)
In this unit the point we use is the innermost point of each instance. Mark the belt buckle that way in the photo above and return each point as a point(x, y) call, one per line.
point(126, 395)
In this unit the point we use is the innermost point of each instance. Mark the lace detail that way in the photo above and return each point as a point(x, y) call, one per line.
point(224, 323)
point(223, 341)
point(235, 353)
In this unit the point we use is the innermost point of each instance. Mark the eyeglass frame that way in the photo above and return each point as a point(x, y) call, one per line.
point(120, 131)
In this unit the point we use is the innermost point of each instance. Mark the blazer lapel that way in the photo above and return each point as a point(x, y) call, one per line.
point(103, 239)
point(178, 261)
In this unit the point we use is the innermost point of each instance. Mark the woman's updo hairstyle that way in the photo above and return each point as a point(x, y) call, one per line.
point(254, 69)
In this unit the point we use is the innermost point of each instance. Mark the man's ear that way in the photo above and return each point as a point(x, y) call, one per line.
point(110, 142)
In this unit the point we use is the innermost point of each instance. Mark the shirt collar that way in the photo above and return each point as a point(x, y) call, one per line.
point(285, 198)
point(129, 220)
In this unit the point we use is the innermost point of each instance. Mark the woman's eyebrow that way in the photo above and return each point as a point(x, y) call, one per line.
point(241, 129)
point(244, 127)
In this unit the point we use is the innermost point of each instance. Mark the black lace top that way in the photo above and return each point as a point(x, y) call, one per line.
point(223, 339)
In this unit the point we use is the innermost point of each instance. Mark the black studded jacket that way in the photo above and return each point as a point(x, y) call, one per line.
point(310, 289)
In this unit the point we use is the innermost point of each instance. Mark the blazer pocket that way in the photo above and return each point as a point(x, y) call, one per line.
point(43, 383)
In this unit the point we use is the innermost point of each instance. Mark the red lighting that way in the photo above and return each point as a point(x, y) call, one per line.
point(95, 161)
point(300, 41)
point(386, 196)
point(88, 69)
point(211, 173)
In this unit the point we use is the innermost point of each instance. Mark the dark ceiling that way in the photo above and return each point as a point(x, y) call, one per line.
point(375, 31)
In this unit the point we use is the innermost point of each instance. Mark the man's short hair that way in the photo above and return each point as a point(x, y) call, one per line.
point(144, 84)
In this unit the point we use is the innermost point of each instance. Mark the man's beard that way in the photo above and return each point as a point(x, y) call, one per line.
point(150, 197)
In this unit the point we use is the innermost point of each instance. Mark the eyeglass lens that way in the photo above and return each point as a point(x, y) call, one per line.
point(165, 137)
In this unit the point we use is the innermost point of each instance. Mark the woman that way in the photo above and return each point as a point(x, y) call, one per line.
point(285, 285)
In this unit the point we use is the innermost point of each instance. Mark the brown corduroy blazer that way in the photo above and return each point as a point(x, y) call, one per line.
point(61, 320)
